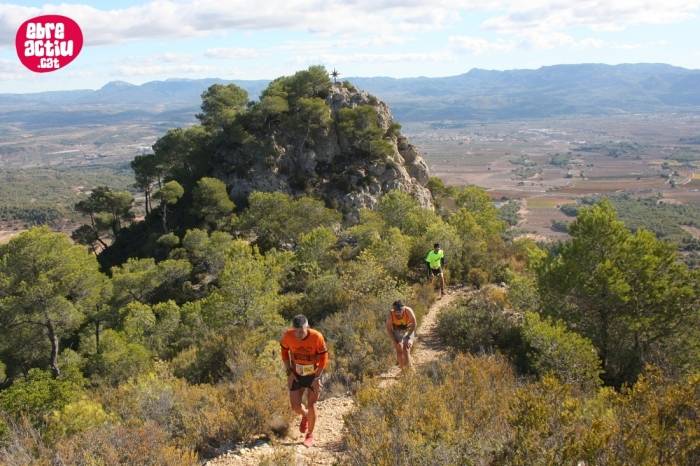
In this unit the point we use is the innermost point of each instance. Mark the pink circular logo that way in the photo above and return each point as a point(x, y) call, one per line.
point(47, 43)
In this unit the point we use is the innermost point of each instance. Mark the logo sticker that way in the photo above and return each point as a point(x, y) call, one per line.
point(48, 43)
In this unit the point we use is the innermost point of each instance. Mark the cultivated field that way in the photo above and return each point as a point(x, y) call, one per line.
point(542, 163)
point(550, 162)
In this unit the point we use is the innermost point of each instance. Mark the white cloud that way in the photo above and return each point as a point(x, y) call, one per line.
point(351, 31)
point(11, 70)
point(129, 70)
point(546, 24)
point(656, 43)
point(168, 18)
point(170, 64)
point(232, 53)
point(415, 58)
point(598, 15)
point(478, 45)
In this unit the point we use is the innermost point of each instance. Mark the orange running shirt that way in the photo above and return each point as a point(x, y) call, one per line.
point(310, 350)
point(400, 323)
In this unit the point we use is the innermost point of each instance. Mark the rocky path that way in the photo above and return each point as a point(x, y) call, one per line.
point(328, 432)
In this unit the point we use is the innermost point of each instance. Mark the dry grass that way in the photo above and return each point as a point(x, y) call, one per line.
point(547, 202)
point(7, 235)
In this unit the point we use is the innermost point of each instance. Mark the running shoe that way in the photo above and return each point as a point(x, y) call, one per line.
point(309, 440)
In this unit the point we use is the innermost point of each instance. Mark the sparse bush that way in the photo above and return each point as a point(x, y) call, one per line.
point(118, 444)
point(348, 85)
point(204, 416)
point(560, 226)
point(554, 426)
point(22, 444)
point(258, 403)
point(570, 210)
point(657, 420)
point(358, 342)
point(477, 277)
point(461, 417)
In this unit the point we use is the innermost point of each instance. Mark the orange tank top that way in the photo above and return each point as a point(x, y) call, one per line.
point(400, 323)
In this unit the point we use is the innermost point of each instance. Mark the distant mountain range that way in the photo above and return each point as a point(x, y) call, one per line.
point(585, 89)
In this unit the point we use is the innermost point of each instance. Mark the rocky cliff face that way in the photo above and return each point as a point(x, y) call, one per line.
point(329, 163)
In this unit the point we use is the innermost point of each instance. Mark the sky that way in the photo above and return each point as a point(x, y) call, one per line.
point(153, 40)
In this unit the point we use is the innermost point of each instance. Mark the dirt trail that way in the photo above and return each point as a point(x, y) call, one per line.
point(328, 432)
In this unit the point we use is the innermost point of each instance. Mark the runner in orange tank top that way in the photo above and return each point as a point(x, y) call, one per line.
point(401, 327)
point(305, 355)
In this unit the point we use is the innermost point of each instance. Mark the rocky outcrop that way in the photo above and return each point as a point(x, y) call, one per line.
point(329, 164)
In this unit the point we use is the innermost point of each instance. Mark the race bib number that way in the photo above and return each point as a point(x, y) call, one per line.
point(305, 369)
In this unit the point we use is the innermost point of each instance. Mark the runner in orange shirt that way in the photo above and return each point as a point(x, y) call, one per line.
point(401, 328)
point(305, 355)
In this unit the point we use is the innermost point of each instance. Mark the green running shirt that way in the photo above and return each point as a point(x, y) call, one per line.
point(433, 258)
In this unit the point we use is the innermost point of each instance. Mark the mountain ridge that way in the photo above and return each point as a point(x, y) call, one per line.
point(478, 94)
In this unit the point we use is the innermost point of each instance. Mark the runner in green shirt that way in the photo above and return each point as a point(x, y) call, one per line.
point(435, 260)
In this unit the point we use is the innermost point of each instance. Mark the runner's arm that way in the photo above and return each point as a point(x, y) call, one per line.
point(284, 352)
point(390, 329)
point(323, 357)
point(412, 326)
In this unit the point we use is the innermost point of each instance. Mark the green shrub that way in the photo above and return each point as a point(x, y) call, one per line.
point(315, 248)
point(394, 250)
point(37, 395)
point(118, 359)
point(522, 292)
point(169, 240)
point(324, 295)
point(76, 417)
point(480, 325)
point(278, 220)
point(554, 349)
point(477, 277)
point(4, 432)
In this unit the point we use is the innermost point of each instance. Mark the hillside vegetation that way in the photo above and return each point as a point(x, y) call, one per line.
point(162, 348)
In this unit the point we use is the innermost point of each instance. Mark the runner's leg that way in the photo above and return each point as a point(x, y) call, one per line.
point(407, 355)
point(312, 395)
point(399, 357)
point(295, 401)
point(398, 349)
